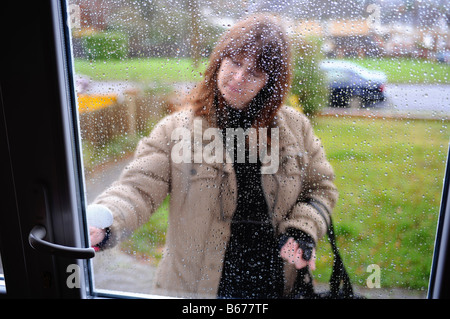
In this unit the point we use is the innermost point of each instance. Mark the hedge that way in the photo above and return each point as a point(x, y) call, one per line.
point(106, 45)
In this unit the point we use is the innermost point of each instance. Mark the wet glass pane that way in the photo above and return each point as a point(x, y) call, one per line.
point(360, 133)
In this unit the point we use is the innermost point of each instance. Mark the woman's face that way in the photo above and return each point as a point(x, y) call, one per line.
point(239, 81)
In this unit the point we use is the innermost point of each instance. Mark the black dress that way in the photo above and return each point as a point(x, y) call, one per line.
point(252, 267)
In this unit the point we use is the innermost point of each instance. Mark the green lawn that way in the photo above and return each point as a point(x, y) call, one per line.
point(389, 175)
point(408, 71)
point(148, 241)
point(170, 70)
point(149, 70)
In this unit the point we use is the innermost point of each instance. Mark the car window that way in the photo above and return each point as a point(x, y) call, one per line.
point(338, 76)
point(180, 219)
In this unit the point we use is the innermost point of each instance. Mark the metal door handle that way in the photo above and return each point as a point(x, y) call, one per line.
point(36, 240)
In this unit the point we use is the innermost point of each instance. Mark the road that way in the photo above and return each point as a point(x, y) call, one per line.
point(419, 98)
point(416, 100)
point(404, 98)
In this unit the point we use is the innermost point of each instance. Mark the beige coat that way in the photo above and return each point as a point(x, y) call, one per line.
point(203, 199)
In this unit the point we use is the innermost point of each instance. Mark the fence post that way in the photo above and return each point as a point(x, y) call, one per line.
point(131, 109)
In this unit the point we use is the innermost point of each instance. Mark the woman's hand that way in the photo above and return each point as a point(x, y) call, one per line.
point(96, 235)
point(292, 253)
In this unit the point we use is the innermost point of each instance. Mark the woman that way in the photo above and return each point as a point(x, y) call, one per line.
point(239, 227)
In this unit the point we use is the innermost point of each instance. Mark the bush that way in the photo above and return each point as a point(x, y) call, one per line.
point(106, 45)
point(308, 83)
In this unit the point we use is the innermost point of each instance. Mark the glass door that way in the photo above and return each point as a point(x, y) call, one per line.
point(372, 78)
point(88, 123)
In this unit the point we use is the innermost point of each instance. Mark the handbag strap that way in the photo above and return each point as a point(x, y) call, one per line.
point(339, 272)
point(303, 287)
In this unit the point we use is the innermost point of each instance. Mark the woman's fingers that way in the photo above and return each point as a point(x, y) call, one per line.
point(96, 235)
point(287, 251)
point(292, 253)
point(312, 261)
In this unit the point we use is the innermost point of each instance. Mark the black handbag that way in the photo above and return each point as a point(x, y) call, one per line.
point(340, 284)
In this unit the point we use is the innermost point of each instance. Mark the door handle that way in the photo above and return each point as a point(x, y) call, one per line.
point(36, 240)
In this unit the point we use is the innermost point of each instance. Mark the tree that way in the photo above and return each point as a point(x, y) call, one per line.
point(308, 83)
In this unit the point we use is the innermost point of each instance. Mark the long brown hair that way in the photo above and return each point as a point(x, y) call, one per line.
point(259, 36)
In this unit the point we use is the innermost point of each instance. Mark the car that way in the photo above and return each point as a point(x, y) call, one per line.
point(443, 57)
point(353, 86)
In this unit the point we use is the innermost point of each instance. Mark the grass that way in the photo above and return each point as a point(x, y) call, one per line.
point(389, 175)
point(408, 71)
point(149, 70)
point(170, 70)
point(148, 241)
point(117, 147)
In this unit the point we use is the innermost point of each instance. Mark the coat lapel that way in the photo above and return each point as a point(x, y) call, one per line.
point(281, 186)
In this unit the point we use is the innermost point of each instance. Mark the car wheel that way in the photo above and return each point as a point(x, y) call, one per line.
point(355, 102)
